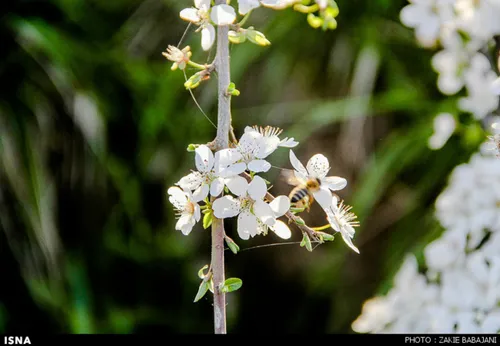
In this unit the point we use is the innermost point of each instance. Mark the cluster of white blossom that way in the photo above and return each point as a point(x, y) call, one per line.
point(205, 16)
point(459, 290)
point(466, 31)
point(230, 177)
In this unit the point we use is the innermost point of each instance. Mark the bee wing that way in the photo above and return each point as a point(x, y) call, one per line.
point(289, 176)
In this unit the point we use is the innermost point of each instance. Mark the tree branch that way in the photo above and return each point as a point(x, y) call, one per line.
point(221, 142)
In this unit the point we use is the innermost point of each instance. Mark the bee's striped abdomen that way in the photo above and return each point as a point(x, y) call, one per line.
point(299, 195)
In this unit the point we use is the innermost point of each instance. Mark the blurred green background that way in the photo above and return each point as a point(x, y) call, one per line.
point(94, 128)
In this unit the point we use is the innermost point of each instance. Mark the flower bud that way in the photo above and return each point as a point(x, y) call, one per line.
point(192, 147)
point(236, 37)
point(314, 21)
point(196, 79)
point(179, 57)
point(257, 37)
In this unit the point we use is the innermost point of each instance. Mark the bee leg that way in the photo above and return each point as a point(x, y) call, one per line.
point(310, 201)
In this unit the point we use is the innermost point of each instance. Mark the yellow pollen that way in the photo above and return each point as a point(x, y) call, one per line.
point(189, 208)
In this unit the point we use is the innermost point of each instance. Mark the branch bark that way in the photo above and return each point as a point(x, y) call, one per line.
point(221, 141)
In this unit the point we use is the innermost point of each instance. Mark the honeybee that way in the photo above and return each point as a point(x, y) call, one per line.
point(302, 194)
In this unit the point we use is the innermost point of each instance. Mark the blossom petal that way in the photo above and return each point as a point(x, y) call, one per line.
point(264, 212)
point(249, 143)
point(267, 145)
point(280, 205)
point(258, 166)
point(233, 170)
point(185, 224)
point(491, 324)
point(192, 181)
point(190, 14)
point(299, 167)
point(257, 188)
point(281, 229)
point(223, 14)
point(225, 158)
point(204, 158)
point(288, 143)
point(207, 37)
point(496, 86)
point(216, 187)
point(348, 241)
point(249, 129)
point(177, 197)
point(323, 196)
point(334, 183)
point(318, 166)
point(247, 225)
point(202, 4)
point(237, 185)
point(226, 207)
point(197, 212)
point(201, 193)
point(246, 5)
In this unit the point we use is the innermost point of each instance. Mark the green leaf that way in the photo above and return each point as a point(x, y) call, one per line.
point(207, 220)
point(201, 273)
point(303, 242)
point(299, 221)
point(326, 236)
point(231, 285)
point(306, 242)
point(211, 285)
point(232, 245)
point(192, 147)
point(201, 291)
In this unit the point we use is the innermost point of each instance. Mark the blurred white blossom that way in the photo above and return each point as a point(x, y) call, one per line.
point(444, 126)
point(464, 29)
point(458, 292)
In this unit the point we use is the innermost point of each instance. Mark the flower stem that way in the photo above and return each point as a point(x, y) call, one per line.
point(194, 64)
point(221, 142)
point(321, 228)
point(244, 19)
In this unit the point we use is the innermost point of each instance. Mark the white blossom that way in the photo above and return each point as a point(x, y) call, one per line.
point(444, 126)
point(480, 81)
point(459, 291)
point(245, 6)
point(254, 214)
point(254, 146)
point(464, 29)
point(205, 180)
point(426, 17)
point(187, 210)
point(203, 14)
point(342, 220)
point(317, 168)
point(279, 4)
